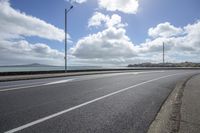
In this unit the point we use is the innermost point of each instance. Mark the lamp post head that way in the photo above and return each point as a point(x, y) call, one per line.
point(67, 10)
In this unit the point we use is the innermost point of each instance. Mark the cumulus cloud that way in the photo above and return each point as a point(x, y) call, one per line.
point(113, 46)
point(15, 24)
point(99, 19)
point(191, 41)
point(108, 44)
point(184, 46)
point(164, 30)
point(23, 52)
point(125, 6)
point(15, 27)
point(79, 1)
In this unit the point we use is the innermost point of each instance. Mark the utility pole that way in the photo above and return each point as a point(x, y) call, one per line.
point(66, 11)
point(163, 52)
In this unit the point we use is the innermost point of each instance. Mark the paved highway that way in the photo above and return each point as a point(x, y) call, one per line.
point(104, 103)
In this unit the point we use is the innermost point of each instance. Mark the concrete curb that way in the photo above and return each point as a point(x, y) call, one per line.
point(168, 117)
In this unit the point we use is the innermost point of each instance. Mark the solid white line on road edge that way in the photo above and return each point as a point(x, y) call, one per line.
point(81, 105)
point(31, 86)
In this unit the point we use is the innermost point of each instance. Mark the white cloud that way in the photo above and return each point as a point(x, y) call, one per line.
point(99, 19)
point(79, 1)
point(164, 30)
point(126, 6)
point(109, 44)
point(22, 52)
point(184, 46)
point(14, 23)
point(15, 27)
point(113, 46)
point(115, 20)
point(191, 41)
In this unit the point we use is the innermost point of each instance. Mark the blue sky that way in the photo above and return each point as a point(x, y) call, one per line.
point(171, 21)
point(150, 13)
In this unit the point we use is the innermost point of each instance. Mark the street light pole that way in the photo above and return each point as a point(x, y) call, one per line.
point(163, 53)
point(66, 11)
point(65, 40)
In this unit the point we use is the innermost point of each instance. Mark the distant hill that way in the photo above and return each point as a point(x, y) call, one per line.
point(29, 65)
point(183, 64)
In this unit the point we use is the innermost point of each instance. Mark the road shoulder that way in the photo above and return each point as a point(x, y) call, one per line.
point(168, 119)
point(190, 108)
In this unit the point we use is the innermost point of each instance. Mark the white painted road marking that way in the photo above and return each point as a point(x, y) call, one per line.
point(81, 105)
point(31, 86)
point(58, 82)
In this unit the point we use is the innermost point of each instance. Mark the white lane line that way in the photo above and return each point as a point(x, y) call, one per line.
point(81, 105)
point(31, 86)
point(58, 82)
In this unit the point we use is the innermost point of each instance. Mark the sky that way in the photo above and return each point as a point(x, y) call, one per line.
point(100, 32)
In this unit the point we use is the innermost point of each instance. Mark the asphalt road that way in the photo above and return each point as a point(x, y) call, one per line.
point(104, 103)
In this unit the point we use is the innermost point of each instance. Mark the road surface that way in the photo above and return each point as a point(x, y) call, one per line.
point(105, 103)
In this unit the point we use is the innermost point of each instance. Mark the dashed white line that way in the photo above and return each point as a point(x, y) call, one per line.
point(81, 105)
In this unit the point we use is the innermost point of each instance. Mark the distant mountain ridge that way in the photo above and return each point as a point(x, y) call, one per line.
point(29, 65)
